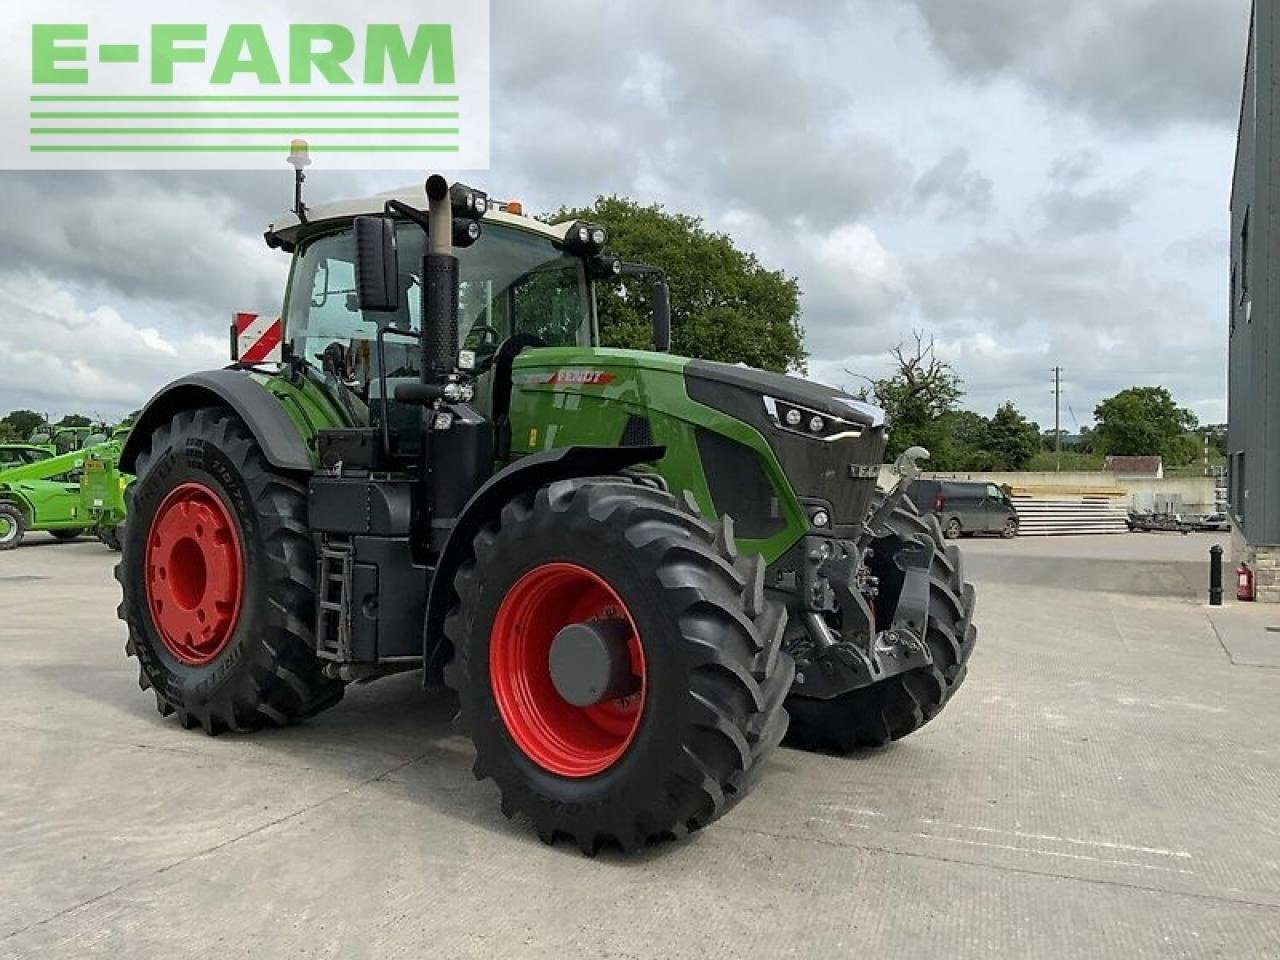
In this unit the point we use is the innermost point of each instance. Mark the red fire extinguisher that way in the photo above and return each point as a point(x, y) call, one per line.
point(1244, 582)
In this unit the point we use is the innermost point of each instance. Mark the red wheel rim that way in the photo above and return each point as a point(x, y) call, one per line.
point(194, 573)
point(562, 738)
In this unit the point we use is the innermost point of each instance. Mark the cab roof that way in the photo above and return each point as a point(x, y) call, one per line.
point(287, 231)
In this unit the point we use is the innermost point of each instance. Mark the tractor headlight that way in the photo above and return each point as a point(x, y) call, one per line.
point(467, 204)
point(465, 233)
point(585, 239)
point(814, 424)
point(604, 267)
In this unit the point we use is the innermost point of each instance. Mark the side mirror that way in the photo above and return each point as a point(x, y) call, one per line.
point(662, 317)
point(377, 265)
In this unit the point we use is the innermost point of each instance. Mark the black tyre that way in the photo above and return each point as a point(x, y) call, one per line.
point(218, 575)
point(109, 536)
point(704, 673)
point(66, 534)
point(953, 529)
point(1010, 530)
point(13, 525)
point(900, 705)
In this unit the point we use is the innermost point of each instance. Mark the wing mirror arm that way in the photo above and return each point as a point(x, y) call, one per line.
point(660, 299)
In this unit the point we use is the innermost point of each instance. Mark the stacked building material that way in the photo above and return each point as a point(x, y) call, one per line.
point(1063, 511)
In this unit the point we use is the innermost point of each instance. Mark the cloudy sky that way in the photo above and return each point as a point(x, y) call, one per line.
point(1031, 182)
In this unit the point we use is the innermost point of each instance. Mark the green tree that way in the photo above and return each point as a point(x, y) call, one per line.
point(1143, 421)
point(724, 304)
point(1188, 448)
point(961, 443)
point(918, 398)
point(75, 420)
point(24, 422)
point(1011, 438)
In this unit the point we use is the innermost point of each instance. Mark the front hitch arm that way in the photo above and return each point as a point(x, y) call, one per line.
point(908, 470)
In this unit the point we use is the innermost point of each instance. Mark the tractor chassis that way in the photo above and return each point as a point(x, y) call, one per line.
point(876, 588)
point(863, 648)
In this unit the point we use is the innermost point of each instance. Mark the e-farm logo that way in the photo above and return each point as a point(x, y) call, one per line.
point(131, 86)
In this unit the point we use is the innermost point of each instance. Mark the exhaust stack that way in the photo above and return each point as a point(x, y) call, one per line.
point(439, 287)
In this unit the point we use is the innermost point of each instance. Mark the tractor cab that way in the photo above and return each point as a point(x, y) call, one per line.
point(522, 283)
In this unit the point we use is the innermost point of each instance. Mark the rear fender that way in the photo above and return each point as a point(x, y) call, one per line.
point(262, 413)
point(527, 473)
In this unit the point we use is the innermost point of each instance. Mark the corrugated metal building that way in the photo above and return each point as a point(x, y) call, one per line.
point(1254, 351)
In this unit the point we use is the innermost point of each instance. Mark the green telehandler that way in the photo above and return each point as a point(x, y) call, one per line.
point(63, 440)
point(66, 495)
point(630, 567)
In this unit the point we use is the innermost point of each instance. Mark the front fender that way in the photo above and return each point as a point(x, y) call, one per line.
point(12, 495)
point(528, 472)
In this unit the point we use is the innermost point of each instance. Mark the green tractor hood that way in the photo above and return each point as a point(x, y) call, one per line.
point(772, 451)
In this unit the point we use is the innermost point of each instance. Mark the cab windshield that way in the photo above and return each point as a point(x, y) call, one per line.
point(512, 282)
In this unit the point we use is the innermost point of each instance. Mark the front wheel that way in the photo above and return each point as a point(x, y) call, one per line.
point(13, 525)
point(218, 577)
point(1010, 530)
point(618, 667)
point(109, 536)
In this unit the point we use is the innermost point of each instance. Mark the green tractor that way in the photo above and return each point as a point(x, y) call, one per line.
point(66, 495)
point(630, 567)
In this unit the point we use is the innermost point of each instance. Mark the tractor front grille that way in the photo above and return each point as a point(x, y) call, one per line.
point(840, 473)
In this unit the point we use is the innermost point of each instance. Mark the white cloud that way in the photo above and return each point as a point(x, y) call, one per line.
point(61, 357)
point(1064, 203)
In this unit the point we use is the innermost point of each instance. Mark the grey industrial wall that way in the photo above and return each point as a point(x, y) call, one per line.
point(1254, 339)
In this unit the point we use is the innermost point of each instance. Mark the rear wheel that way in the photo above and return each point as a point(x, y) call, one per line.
point(899, 705)
point(13, 525)
point(953, 529)
point(618, 667)
point(218, 575)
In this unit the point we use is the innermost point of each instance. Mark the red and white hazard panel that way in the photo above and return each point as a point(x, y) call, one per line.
point(258, 338)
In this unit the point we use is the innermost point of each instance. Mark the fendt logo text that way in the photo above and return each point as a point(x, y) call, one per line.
point(136, 89)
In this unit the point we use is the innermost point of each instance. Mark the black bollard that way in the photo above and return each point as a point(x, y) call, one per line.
point(1215, 576)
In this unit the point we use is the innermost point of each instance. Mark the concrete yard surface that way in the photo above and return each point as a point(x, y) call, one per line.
point(1106, 784)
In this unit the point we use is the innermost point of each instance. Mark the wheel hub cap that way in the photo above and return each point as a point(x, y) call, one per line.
point(567, 670)
point(194, 573)
point(591, 662)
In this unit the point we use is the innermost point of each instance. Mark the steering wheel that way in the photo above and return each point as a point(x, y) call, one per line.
point(485, 341)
